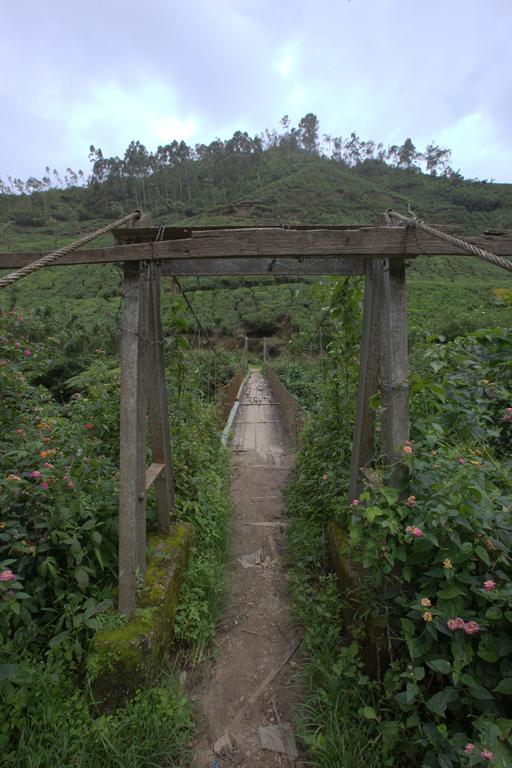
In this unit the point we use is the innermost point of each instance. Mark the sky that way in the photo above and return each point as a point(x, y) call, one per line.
point(106, 72)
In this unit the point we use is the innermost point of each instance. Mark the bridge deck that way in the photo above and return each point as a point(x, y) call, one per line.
point(257, 632)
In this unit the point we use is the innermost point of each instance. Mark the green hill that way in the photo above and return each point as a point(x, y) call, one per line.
point(244, 182)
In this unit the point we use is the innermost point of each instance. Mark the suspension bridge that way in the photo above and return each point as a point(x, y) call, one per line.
point(148, 254)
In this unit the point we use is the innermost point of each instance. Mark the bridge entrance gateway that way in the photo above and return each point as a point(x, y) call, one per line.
point(378, 253)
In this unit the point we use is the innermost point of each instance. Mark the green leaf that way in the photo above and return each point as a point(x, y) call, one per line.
point(408, 627)
point(390, 494)
point(450, 591)
point(440, 665)
point(482, 554)
point(371, 513)
point(477, 691)
point(369, 713)
point(411, 691)
point(82, 577)
point(440, 701)
point(489, 649)
point(505, 686)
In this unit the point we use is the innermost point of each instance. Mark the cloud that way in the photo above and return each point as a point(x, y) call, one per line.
point(116, 116)
point(106, 73)
point(476, 145)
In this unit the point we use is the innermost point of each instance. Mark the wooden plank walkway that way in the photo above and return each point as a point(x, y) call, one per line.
point(257, 633)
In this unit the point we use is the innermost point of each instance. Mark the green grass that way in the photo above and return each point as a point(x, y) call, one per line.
point(61, 729)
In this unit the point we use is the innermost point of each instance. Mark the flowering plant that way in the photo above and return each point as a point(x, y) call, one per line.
point(435, 567)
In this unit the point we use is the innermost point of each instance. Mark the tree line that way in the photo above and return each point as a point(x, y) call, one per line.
point(182, 178)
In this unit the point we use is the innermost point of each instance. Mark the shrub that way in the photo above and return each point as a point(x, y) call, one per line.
point(434, 590)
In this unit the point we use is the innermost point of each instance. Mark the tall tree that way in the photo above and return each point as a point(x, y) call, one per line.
point(436, 159)
point(308, 133)
point(407, 155)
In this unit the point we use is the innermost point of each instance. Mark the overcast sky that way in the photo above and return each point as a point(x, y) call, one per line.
point(105, 72)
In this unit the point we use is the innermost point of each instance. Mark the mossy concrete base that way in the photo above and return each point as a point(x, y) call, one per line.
point(374, 645)
point(124, 656)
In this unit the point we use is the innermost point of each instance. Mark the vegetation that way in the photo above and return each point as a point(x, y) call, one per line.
point(413, 666)
point(58, 544)
point(432, 558)
point(287, 176)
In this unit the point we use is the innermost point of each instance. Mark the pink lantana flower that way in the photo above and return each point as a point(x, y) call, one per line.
point(414, 531)
point(7, 575)
point(456, 623)
point(27, 352)
point(411, 501)
point(461, 460)
point(471, 627)
point(507, 416)
point(489, 585)
point(485, 754)
point(70, 484)
point(407, 449)
point(36, 473)
point(354, 502)
point(469, 748)
point(325, 477)
point(44, 486)
point(17, 344)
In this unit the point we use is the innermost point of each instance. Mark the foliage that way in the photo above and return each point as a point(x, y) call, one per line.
point(58, 540)
point(57, 725)
point(58, 534)
point(434, 589)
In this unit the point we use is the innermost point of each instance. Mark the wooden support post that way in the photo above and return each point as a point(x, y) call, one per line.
point(158, 406)
point(132, 463)
point(369, 356)
point(394, 367)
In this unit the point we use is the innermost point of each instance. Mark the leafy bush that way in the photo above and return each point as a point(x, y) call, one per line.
point(58, 546)
point(434, 586)
point(58, 528)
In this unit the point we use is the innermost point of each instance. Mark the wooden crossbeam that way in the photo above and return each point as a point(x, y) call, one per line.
point(273, 243)
point(262, 266)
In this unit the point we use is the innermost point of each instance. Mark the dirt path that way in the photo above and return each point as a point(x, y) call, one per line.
point(256, 635)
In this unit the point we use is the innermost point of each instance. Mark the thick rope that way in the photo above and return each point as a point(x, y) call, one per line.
point(464, 245)
point(45, 261)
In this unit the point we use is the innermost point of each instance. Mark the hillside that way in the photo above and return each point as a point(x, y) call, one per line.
point(273, 185)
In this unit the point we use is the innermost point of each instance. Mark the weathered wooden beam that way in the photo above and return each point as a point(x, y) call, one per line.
point(263, 266)
point(369, 366)
point(394, 367)
point(132, 460)
point(158, 406)
point(152, 472)
point(130, 235)
point(372, 242)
